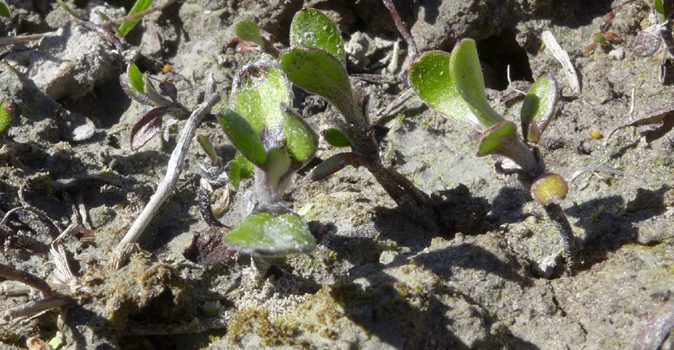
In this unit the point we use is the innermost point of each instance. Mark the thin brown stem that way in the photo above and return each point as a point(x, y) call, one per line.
point(27, 278)
point(404, 32)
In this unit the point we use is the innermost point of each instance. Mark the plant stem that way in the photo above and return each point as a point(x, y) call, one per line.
point(37, 307)
point(556, 215)
point(404, 32)
point(24, 277)
point(173, 171)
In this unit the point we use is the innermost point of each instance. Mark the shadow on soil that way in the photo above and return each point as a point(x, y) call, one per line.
point(610, 223)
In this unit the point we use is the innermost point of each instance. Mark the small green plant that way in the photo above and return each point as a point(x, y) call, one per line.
point(278, 143)
point(140, 87)
point(4, 10)
point(7, 111)
point(138, 7)
point(316, 62)
point(453, 85)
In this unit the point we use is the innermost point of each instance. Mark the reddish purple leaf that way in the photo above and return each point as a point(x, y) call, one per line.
point(148, 126)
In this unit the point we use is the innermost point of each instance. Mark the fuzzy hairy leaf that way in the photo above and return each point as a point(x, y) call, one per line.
point(258, 90)
point(319, 72)
point(336, 138)
point(248, 30)
point(138, 6)
point(466, 72)
point(244, 137)
point(301, 140)
point(538, 108)
point(239, 168)
point(312, 28)
point(136, 79)
point(4, 10)
point(263, 234)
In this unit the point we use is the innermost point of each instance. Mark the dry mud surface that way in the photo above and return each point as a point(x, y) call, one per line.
point(376, 281)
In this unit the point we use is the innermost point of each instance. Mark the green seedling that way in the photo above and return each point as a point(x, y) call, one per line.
point(316, 64)
point(278, 143)
point(7, 111)
point(4, 10)
point(138, 7)
point(140, 87)
point(453, 85)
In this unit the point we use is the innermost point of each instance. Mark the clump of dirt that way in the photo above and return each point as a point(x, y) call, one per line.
point(495, 280)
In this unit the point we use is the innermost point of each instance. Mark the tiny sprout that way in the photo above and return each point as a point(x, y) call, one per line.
point(208, 148)
point(7, 112)
point(4, 10)
point(601, 40)
point(136, 78)
point(316, 64)
point(453, 85)
point(278, 143)
point(249, 31)
point(138, 6)
point(549, 189)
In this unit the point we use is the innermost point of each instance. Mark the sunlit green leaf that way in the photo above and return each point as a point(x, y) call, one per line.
point(239, 168)
point(312, 28)
point(258, 91)
point(431, 80)
point(136, 78)
point(319, 72)
point(466, 72)
point(264, 234)
point(538, 108)
point(244, 137)
point(7, 110)
point(301, 140)
point(4, 10)
point(496, 138)
point(248, 30)
point(138, 6)
point(335, 137)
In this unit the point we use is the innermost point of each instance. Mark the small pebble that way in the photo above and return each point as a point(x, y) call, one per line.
point(596, 135)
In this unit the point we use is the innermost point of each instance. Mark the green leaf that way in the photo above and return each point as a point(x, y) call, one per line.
point(263, 234)
point(336, 138)
point(7, 110)
point(258, 90)
point(4, 10)
point(138, 6)
point(319, 72)
point(659, 6)
point(244, 137)
point(208, 148)
point(136, 78)
point(239, 168)
point(466, 72)
point(301, 140)
point(312, 28)
point(497, 138)
point(538, 108)
point(248, 30)
point(432, 81)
